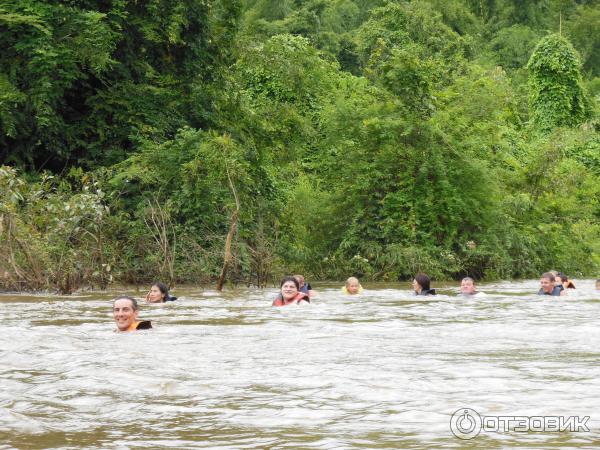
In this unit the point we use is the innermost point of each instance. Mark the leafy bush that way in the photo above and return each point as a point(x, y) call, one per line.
point(54, 237)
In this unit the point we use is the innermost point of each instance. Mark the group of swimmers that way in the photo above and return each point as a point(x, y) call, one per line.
point(295, 290)
point(126, 308)
point(556, 284)
point(552, 283)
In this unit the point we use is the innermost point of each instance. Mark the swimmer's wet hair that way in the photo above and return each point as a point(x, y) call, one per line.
point(549, 276)
point(133, 301)
point(349, 280)
point(292, 279)
point(424, 281)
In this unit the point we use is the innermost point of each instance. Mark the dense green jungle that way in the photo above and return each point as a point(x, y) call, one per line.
point(232, 142)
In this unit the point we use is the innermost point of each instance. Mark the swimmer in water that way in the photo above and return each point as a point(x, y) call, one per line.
point(159, 293)
point(290, 293)
point(467, 286)
point(564, 281)
point(421, 285)
point(547, 286)
point(304, 286)
point(125, 312)
point(352, 286)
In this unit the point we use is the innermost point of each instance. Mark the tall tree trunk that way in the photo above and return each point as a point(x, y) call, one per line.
point(227, 257)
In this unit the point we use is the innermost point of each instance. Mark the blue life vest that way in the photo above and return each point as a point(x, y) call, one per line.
point(555, 292)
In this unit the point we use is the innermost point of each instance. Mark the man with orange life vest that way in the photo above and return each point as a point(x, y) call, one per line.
point(125, 312)
point(290, 293)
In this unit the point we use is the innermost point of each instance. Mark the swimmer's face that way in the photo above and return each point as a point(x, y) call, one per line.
point(598, 286)
point(288, 290)
point(467, 287)
point(546, 285)
point(155, 295)
point(557, 281)
point(124, 314)
point(416, 286)
point(353, 287)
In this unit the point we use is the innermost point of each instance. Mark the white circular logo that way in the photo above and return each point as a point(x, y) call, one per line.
point(465, 423)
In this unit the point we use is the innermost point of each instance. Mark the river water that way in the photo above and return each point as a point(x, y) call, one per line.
point(382, 370)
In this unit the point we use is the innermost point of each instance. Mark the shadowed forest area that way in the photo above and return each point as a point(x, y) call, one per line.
point(196, 141)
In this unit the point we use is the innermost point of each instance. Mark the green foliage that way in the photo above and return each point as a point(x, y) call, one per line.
point(512, 46)
point(582, 29)
point(458, 17)
point(48, 49)
point(89, 82)
point(283, 86)
point(308, 232)
point(395, 184)
point(328, 25)
point(53, 236)
point(197, 176)
point(286, 69)
point(397, 24)
point(10, 98)
point(556, 94)
point(479, 114)
point(372, 138)
point(407, 49)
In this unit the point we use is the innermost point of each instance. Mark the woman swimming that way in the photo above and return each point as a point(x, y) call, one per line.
point(159, 293)
point(421, 285)
point(290, 293)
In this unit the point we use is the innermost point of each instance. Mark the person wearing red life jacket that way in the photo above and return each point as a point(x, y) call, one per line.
point(290, 293)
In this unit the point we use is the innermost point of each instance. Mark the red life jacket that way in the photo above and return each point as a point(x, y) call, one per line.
point(300, 296)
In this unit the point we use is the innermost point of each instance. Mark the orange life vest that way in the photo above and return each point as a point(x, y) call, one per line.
point(300, 296)
point(143, 325)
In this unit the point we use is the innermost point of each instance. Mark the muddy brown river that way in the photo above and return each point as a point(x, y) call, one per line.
point(382, 370)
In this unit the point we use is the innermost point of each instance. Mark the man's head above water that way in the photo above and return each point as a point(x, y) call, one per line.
point(467, 286)
point(125, 312)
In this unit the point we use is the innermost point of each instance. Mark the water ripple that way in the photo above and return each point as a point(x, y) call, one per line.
point(226, 370)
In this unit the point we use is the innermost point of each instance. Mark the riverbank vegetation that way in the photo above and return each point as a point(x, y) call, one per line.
point(196, 141)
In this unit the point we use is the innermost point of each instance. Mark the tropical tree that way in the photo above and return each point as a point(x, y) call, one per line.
point(556, 97)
